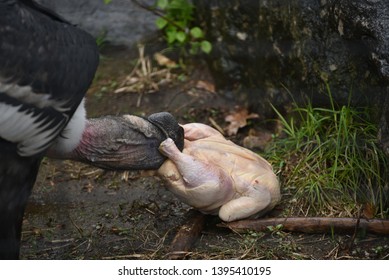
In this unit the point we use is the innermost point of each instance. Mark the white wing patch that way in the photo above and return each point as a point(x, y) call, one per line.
point(22, 127)
point(32, 132)
point(34, 136)
point(72, 134)
point(25, 95)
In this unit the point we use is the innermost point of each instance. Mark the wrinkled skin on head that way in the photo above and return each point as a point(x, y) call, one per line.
point(125, 142)
point(216, 176)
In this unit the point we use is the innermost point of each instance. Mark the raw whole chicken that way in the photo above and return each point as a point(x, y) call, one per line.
point(216, 176)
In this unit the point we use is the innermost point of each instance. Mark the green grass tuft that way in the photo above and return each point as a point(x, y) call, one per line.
point(329, 162)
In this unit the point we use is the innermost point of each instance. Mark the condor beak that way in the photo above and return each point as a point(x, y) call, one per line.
point(169, 127)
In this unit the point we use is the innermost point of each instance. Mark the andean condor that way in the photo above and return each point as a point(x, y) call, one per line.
point(46, 67)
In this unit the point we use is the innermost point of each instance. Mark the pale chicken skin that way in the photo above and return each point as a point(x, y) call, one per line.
point(216, 176)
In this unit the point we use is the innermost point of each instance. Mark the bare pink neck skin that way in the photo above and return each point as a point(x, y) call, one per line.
point(117, 142)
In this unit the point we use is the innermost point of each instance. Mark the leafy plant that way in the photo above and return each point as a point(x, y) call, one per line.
point(101, 39)
point(176, 20)
point(330, 162)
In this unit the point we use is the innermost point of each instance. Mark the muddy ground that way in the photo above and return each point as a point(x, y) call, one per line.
point(80, 212)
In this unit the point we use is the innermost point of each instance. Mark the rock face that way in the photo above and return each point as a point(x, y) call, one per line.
point(275, 47)
point(122, 22)
point(273, 50)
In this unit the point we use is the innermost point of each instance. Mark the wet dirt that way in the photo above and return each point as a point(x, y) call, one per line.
point(81, 212)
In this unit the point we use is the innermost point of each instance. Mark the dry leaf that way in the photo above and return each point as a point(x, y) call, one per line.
point(88, 188)
point(369, 211)
point(238, 119)
point(205, 85)
point(257, 139)
point(164, 61)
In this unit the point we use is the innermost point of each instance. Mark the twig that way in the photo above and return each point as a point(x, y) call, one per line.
point(133, 256)
point(187, 235)
point(62, 240)
point(312, 224)
point(218, 127)
point(158, 13)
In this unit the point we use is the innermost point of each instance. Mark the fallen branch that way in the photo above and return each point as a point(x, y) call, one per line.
point(187, 235)
point(312, 225)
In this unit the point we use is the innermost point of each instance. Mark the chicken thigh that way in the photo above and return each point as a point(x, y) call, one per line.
point(216, 176)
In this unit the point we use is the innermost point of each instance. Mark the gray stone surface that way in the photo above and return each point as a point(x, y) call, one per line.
point(299, 45)
point(123, 22)
point(273, 51)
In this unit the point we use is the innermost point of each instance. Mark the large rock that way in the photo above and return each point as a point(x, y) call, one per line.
point(271, 47)
point(277, 50)
point(122, 22)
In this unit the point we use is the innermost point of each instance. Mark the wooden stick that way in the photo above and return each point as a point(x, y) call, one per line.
point(312, 225)
point(187, 235)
